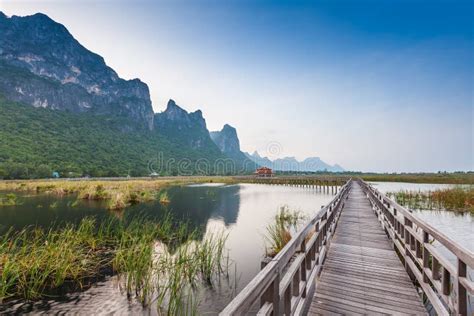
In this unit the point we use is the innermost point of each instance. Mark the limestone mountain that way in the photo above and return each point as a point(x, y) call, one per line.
point(227, 140)
point(229, 144)
point(62, 108)
point(43, 65)
point(181, 127)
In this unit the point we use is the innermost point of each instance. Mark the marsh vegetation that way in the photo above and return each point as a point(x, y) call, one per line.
point(9, 199)
point(157, 262)
point(117, 194)
point(279, 232)
point(457, 199)
point(440, 177)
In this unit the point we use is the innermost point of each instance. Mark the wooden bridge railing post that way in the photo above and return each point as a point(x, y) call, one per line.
point(271, 297)
point(461, 290)
point(426, 256)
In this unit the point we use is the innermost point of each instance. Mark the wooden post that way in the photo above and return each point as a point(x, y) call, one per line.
point(317, 244)
point(419, 253)
point(407, 245)
point(287, 301)
point(462, 293)
point(296, 283)
point(272, 295)
point(435, 268)
point(426, 256)
point(445, 281)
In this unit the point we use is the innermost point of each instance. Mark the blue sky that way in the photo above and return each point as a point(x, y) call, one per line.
point(371, 85)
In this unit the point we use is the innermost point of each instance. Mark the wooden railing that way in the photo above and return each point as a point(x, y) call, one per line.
point(446, 285)
point(286, 283)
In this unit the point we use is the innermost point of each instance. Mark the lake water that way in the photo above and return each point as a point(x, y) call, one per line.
point(243, 211)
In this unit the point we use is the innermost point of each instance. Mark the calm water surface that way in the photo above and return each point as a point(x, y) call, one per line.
point(243, 211)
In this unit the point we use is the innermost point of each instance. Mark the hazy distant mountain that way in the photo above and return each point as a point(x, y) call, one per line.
point(311, 164)
point(258, 160)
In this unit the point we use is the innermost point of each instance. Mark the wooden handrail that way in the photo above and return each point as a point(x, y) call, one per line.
point(286, 283)
point(445, 285)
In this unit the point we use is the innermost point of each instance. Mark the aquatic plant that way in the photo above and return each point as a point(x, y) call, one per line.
point(457, 199)
point(279, 232)
point(47, 259)
point(9, 199)
point(34, 262)
point(54, 205)
point(164, 198)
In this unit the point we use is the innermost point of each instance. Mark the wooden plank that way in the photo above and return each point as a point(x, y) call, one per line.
point(387, 295)
point(382, 302)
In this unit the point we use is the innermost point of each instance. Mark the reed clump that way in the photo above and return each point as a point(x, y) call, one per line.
point(279, 232)
point(457, 199)
point(164, 198)
point(9, 199)
point(35, 262)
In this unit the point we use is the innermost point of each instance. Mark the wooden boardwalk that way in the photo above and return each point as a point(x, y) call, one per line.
point(362, 273)
point(343, 261)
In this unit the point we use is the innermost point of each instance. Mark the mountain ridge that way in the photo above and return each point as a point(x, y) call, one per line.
point(310, 164)
point(63, 74)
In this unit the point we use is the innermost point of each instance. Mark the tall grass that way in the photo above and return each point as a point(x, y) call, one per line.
point(458, 199)
point(35, 263)
point(279, 232)
point(164, 198)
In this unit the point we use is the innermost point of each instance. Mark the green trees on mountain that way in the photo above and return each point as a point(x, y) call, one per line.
point(35, 142)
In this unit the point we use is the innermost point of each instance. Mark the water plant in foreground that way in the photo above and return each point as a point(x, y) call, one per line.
point(35, 263)
point(279, 232)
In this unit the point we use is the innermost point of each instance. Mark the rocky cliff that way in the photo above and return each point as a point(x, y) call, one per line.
point(177, 125)
point(226, 139)
point(41, 64)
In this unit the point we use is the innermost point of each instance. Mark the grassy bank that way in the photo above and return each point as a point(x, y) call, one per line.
point(117, 193)
point(458, 199)
point(156, 262)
